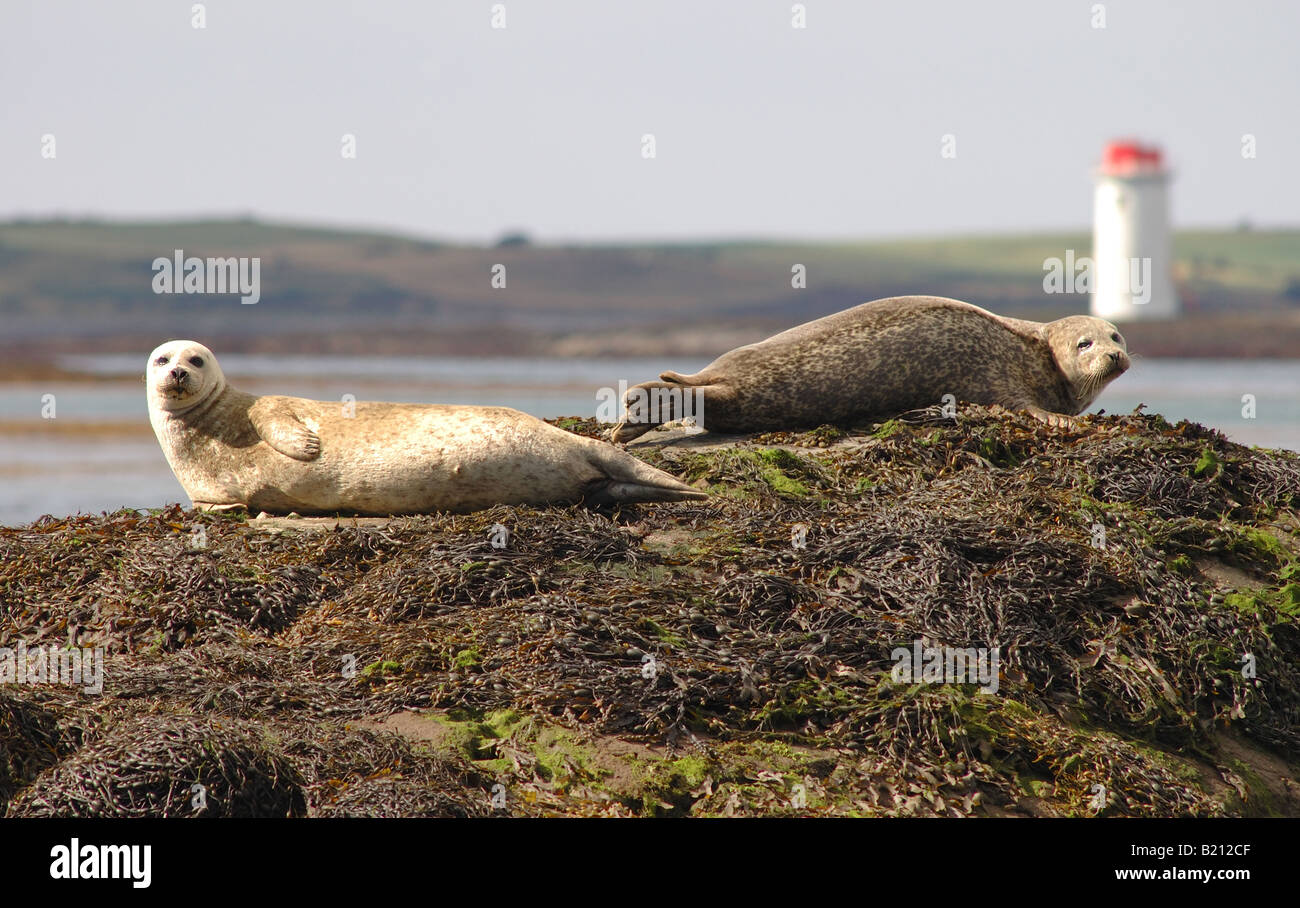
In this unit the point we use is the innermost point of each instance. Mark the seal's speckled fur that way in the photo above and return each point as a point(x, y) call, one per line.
point(892, 355)
point(283, 454)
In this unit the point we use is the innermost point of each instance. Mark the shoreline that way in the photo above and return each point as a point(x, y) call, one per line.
point(1257, 334)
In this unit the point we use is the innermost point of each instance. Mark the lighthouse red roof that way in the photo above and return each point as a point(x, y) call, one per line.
point(1127, 156)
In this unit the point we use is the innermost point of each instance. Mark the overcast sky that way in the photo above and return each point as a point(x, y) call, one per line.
point(464, 131)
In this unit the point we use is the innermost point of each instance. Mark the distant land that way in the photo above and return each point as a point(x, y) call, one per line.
point(68, 286)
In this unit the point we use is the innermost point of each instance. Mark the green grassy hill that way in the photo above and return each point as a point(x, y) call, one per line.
point(64, 282)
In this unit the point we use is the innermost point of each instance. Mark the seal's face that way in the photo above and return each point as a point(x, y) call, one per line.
point(1091, 354)
point(182, 374)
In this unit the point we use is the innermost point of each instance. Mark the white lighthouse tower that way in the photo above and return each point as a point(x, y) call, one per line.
point(1132, 250)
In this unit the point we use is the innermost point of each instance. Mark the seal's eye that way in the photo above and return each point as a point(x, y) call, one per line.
point(161, 361)
point(196, 362)
point(1085, 344)
point(1115, 338)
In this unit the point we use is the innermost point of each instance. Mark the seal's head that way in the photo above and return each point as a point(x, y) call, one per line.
point(1090, 352)
point(181, 375)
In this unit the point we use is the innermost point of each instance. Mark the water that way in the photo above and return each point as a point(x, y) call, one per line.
point(99, 452)
point(542, 387)
point(1213, 392)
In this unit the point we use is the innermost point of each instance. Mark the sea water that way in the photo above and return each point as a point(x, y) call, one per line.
point(99, 452)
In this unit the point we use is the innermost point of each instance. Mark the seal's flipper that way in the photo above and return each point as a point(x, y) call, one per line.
point(1059, 420)
point(284, 431)
point(609, 492)
point(679, 379)
point(218, 508)
point(625, 432)
point(629, 480)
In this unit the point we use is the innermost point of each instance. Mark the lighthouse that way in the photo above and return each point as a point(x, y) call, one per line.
point(1132, 250)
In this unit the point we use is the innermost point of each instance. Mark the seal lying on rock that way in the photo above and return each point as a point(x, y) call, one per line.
point(284, 454)
point(887, 357)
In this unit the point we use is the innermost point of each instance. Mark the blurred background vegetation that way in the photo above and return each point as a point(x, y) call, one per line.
point(72, 285)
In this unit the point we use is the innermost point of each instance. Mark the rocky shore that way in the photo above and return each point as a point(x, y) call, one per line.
point(1135, 587)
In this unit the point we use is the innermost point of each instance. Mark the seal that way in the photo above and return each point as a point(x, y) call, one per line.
point(886, 357)
point(285, 454)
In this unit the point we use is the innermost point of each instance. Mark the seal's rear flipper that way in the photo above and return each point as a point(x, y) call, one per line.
point(678, 379)
point(628, 480)
point(609, 492)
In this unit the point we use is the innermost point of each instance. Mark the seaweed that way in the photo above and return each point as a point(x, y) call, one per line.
point(725, 657)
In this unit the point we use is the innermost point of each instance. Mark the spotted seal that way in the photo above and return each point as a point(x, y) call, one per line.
point(888, 356)
point(285, 454)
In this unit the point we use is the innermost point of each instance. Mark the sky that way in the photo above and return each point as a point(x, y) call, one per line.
point(761, 130)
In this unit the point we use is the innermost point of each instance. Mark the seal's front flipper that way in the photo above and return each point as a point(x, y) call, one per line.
point(625, 432)
point(218, 508)
point(1060, 420)
point(282, 430)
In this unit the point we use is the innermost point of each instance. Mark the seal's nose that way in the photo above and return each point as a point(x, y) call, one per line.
point(1114, 358)
point(178, 373)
